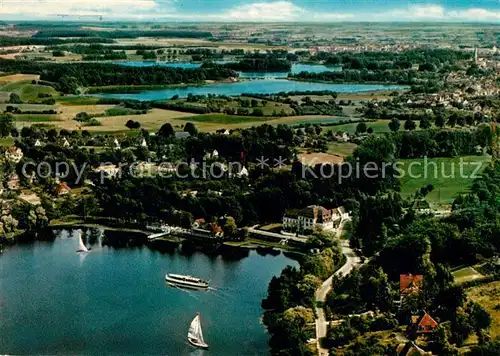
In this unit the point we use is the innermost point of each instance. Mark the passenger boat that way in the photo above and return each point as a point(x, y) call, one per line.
point(186, 281)
point(195, 335)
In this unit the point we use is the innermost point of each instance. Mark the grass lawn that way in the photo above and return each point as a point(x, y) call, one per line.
point(343, 149)
point(488, 296)
point(6, 141)
point(271, 227)
point(466, 274)
point(437, 173)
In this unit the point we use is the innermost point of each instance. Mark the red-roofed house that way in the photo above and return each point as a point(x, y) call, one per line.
point(409, 283)
point(422, 325)
point(62, 189)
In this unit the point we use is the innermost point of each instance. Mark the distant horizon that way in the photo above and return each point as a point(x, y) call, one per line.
point(238, 11)
point(313, 23)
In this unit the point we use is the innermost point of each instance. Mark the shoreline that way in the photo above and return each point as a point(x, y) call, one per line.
point(250, 243)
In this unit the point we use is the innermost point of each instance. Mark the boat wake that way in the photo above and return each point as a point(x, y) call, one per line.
point(187, 291)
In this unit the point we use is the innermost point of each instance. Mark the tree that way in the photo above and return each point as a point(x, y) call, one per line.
point(425, 123)
point(257, 112)
point(410, 125)
point(229, 227)
point(394, 125)
point(191, 129)
point(361, 127)
point(15, 99)
point(82, 117)
point(131, 124)
point(6, 124)
point(166, 130)
point(440, 121)
point(480, 318)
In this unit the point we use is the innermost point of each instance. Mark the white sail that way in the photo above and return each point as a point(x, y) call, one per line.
point(82, 246)
point(195, 335)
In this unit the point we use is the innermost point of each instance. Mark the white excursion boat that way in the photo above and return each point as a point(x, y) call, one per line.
point(186, 281)
point(82, 247)
point(195, 335)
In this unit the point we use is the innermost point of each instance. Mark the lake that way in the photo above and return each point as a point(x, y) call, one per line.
point(115, 300)
point(263, 86)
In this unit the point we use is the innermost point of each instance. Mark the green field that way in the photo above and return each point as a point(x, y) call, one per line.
point(443, 173)
point(121, 111)
point(226, 119)
point(378, 126)
point(36, 118)
point(466, 274)
point(77, 100)
point(28, 91)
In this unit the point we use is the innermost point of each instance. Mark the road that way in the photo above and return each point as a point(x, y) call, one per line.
point(351, 261)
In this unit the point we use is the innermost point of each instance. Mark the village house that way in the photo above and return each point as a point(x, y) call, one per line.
point(198, 223)
point(108, 170)
point(421, 325)
point(13, 183)
point(14, 154)
point(181, 134)
point(409, 283)
point(214, 154)
point(62, 189)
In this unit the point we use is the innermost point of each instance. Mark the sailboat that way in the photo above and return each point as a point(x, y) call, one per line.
point(195, 335)
point(81, 246)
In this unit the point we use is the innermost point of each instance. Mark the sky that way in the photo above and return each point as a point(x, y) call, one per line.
point(255, 11)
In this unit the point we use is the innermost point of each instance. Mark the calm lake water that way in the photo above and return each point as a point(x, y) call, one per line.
point(115, 301)
point(264, 86)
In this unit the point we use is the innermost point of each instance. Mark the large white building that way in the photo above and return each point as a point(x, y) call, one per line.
point(308, 219)
point(313, 217)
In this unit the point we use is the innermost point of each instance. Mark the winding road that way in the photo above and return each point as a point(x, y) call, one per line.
point(351, 261)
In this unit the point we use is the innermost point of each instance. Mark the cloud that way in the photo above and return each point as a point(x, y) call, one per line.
point(439, 13)
point(277, 11)
point(260, 11)
point(50, 8)
point(264, 11)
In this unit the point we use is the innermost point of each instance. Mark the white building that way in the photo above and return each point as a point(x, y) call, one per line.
point(308, 219)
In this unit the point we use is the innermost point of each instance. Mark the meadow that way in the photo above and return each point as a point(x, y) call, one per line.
point(447, 179)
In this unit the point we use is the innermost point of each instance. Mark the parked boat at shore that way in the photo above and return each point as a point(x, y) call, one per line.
point(186, 281)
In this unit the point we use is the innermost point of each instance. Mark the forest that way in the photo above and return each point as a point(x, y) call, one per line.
point(70, 76)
